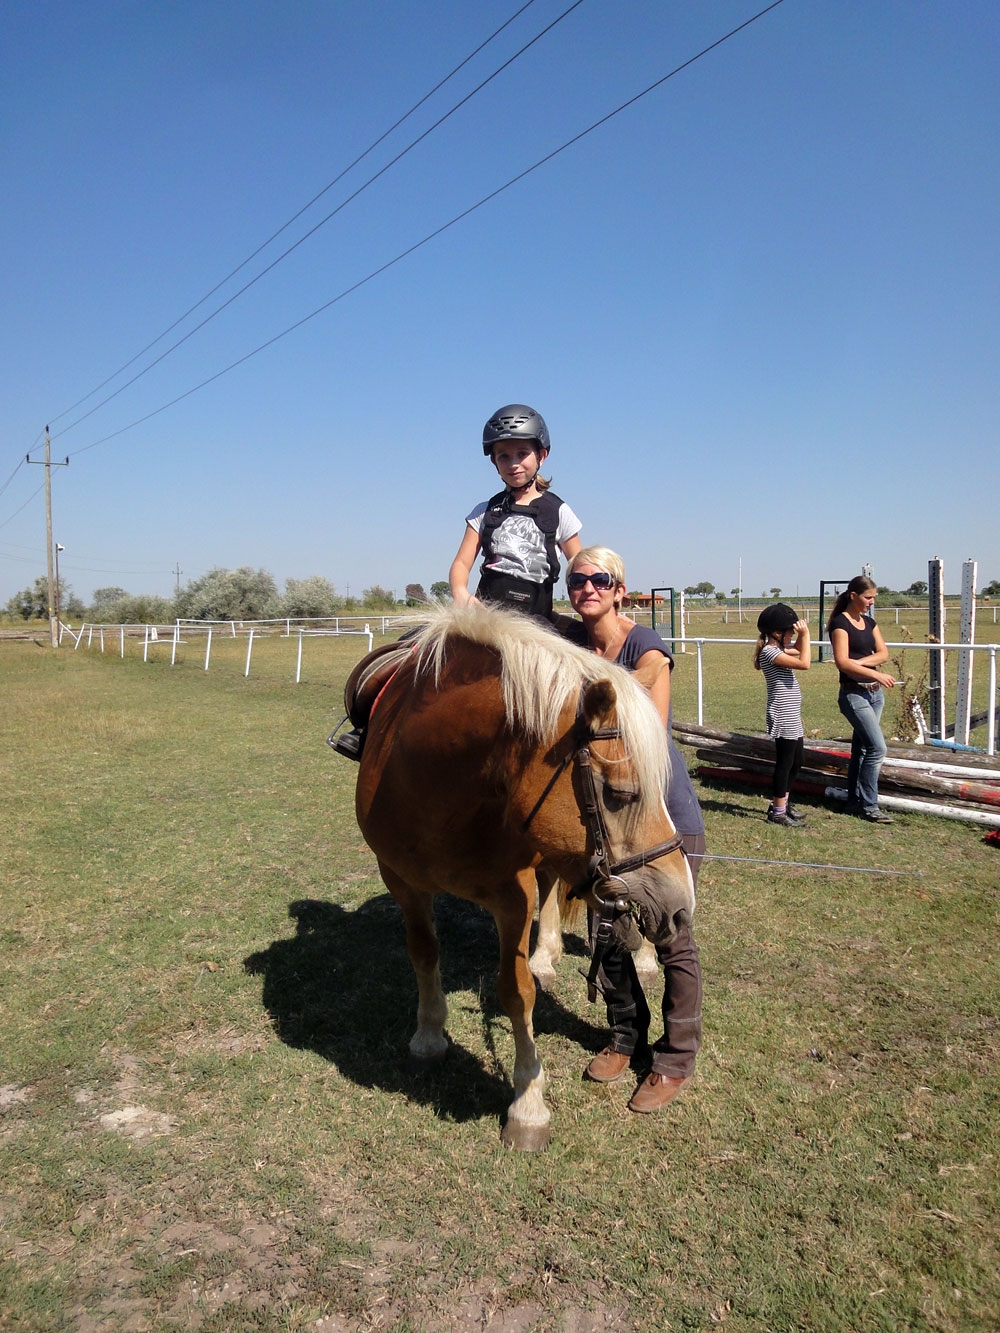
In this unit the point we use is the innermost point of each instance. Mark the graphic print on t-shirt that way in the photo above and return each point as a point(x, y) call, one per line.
point(519, 549)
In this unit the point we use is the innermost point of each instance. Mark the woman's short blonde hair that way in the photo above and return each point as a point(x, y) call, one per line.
point(604, 558)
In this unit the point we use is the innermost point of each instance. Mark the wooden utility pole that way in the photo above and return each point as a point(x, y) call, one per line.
point(49, 465)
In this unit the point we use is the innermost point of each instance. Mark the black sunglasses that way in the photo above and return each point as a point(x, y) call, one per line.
point(600, 582)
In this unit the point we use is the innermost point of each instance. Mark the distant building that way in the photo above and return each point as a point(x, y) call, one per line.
point(642, 601)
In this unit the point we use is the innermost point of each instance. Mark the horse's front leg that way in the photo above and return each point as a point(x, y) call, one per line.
point(646, 964)
point(527, 1125)
point(428, 1043)
point(549, 940)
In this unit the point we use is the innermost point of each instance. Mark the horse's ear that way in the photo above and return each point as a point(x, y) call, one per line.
point(598, 707)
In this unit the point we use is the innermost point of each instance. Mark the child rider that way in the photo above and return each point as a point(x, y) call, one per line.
point(520, 531)
point(522, 528)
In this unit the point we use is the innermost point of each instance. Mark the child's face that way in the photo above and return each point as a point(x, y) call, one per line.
point(516, 463)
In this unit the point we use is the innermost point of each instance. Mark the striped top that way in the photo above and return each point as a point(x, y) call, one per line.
point(784, 696)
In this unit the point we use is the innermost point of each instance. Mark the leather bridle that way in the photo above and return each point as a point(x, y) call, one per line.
point(602, 870)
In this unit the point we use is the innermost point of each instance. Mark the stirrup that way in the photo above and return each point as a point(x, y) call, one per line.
point(350, 744)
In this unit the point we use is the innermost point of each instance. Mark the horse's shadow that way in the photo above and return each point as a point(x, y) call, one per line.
point(343, 987)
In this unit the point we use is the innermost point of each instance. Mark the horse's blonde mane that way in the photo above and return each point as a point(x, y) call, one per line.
point(541, 673)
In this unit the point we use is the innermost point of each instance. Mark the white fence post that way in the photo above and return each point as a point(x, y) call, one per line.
point(967, 634)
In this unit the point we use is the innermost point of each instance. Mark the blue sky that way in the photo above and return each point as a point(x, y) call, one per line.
point(758, 309)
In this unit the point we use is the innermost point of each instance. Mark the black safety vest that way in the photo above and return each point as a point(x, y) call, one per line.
point(532, 598)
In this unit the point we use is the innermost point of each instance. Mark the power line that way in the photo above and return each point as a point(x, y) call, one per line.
point(10, 517)
point(432, 235)
point(20, 465)
point(294, 218)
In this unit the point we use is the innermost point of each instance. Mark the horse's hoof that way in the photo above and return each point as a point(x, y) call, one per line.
point(525, 1138)
point(545, 977)
point(424, 1064)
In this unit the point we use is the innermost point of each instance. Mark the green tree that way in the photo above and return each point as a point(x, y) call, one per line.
point(441, 590)
point(115, 606)
point(917, 588)
point(992, 589)
point(104, 599)
point(230, 594)
point(415, 595)
point(311, 597)
point(140, 609)
point(377, 598)
point(704, 590)
point(33, 603)
point(775, 593)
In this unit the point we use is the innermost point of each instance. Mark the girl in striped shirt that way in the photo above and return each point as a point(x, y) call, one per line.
point(779, 659)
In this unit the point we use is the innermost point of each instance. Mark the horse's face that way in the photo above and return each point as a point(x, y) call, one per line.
point(620, 815)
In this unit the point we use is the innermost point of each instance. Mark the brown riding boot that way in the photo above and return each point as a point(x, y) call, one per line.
point(655, 1091)
point(608, 1066)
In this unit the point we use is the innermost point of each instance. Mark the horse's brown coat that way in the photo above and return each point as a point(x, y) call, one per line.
point(448, 800)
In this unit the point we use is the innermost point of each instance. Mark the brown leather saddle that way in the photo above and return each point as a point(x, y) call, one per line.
point(370, 677)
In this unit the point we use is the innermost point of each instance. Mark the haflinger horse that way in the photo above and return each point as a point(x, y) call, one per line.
point(496, 751)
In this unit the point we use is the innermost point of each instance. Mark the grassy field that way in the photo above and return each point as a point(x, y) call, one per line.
point(206, 1121)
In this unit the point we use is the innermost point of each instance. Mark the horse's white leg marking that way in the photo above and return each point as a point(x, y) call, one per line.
point(548, 942)
point(527, 1125)
point(646, 963)
point(528, 1116)
point(429, 1041)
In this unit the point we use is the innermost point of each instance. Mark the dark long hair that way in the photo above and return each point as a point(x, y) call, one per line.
point(860, 583)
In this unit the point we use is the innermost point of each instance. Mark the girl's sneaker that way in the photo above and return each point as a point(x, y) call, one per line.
point(794, 815)
point(782, 817)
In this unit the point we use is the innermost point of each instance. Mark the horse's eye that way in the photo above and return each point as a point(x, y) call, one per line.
point(616, 797)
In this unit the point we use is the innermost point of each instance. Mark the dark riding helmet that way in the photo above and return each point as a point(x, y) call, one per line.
point(774, 619)
point(515, 422)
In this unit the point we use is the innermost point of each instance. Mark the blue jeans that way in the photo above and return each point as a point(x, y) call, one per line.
point(863, 709)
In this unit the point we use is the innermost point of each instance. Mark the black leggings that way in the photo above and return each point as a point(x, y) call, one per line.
point(787, 762)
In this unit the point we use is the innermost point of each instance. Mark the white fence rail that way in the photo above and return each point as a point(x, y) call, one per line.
point(182, 632)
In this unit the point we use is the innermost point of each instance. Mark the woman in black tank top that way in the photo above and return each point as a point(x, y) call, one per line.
point(859, 651)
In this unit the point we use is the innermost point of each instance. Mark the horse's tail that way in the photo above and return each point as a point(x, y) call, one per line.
point(572, 911)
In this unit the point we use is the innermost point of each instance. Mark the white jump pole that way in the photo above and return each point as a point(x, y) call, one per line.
point(123, 642)
point(246, 672)
point(935, 627)
point(967, 634)
point(298, 664)
point(208, 647)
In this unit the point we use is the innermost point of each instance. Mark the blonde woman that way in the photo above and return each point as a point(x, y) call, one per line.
point(596, 585)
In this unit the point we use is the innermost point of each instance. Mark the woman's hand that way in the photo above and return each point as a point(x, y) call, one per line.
point(884, 680)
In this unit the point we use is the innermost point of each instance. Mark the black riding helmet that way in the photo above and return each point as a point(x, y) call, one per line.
point(774, 619)
point(515, 422)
